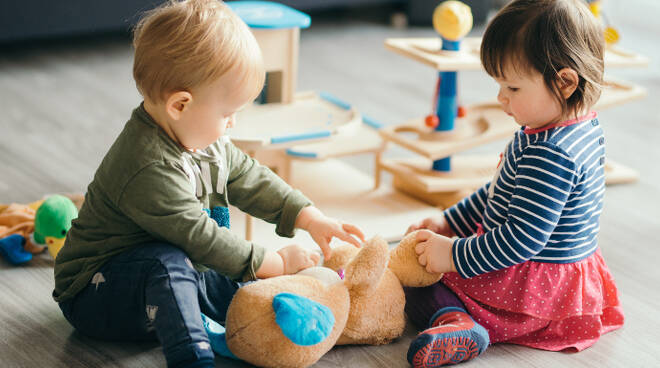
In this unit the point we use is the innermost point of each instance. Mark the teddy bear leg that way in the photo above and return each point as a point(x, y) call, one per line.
point(453, 337)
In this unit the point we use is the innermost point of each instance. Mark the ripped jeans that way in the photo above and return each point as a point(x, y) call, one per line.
point(153, 292)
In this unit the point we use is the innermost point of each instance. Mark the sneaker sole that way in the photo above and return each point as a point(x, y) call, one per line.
point(446, 351)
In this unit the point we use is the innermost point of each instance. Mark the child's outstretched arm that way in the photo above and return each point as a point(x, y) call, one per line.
point(255, 189)
point(323, 229)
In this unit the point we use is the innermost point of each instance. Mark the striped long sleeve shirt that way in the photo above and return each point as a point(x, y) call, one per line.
point(543, 205)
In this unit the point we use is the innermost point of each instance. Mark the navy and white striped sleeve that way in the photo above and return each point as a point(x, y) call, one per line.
point(545, 177)
point(464, 216)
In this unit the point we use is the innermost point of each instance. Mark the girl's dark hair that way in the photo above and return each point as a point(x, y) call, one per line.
point(547, 36)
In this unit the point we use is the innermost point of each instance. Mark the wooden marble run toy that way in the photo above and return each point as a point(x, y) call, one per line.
point(452, 20)
point(439, 177)
point(286, 125)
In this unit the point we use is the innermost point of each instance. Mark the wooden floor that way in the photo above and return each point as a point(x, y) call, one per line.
point(62, 104)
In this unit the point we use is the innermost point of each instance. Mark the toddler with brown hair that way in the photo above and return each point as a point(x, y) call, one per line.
point(525, 267)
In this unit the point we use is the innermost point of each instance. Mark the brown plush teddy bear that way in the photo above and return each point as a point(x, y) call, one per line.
point(292, 321)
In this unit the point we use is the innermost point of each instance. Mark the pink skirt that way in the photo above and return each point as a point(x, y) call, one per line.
point(549, 306)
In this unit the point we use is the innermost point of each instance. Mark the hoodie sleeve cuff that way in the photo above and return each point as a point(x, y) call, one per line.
point(256, 259)
point(295, 202)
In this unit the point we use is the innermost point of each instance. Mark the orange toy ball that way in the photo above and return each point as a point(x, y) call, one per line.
point(431, 121)
point(462, 111)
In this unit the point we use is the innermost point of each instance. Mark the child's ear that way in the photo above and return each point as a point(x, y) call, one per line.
point(176, 103)
point(568, 82)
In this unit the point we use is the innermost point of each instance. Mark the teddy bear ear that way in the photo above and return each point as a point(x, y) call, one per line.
point(341, 257)
point(404, 264)
point(366, 269)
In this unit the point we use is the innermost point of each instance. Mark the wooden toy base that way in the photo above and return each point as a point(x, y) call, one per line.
point(468, 172)
point(345, 193)
point(440, 200)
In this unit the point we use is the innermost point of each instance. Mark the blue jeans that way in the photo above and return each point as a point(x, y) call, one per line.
point(153, 292)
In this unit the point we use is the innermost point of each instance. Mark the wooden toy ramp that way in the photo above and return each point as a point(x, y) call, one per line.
point(310, 117)
point(427, 51)
point(483, 123)
point(468, 172)
point(364, 139)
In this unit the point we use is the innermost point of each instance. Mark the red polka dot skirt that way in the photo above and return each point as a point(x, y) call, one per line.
point(547, 306)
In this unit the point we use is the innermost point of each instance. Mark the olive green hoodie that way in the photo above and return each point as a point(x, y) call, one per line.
point(150, 189)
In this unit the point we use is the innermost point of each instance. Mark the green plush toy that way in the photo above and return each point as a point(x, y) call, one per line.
point(52, 221)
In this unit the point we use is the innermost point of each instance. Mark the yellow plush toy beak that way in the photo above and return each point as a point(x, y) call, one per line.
point(54, 245)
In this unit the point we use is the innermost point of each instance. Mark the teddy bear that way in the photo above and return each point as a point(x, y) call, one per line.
point(293, 320)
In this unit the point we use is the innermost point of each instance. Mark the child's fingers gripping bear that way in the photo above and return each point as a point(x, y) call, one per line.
point(434, 252)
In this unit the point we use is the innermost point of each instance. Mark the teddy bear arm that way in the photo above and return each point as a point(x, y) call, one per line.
point(403, 262)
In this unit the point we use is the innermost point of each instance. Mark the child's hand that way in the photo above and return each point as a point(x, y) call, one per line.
point(437, 224)
point(435, 252)
point(296, 258)
point(323, 229)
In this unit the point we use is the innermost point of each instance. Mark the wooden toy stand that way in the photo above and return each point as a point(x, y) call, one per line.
point(482, 123)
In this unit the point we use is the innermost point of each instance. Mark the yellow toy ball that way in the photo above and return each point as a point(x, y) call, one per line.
point(611, 35)
point(452, 20)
